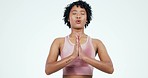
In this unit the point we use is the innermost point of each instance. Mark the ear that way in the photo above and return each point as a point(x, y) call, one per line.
point(86, 22)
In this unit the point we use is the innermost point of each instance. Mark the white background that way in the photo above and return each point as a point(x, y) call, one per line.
point(28, 27)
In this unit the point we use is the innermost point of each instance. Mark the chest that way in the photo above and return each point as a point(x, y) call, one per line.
point(88, 47)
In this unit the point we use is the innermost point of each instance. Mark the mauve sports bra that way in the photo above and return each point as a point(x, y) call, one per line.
point(78, 66)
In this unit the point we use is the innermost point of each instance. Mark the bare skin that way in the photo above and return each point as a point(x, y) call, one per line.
point(78, 20)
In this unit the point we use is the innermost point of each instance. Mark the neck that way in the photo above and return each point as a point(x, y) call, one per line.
point(79, 32)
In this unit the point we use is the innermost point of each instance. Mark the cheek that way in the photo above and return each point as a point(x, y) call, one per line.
point(84, 18)
point(71, 19)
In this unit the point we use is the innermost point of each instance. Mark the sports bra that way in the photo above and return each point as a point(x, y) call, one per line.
point(78, 66)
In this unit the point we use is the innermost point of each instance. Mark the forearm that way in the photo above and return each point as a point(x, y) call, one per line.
point(55, 66)
point(101, 65)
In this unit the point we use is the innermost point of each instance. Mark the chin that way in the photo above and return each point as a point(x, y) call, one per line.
point(79, 26)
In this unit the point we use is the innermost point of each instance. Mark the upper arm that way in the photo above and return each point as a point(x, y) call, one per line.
point(53, 52)
point(102, 52)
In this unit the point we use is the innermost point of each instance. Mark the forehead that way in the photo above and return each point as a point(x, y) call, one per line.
point(77, 8)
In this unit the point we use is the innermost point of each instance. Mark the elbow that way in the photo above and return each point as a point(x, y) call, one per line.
point(47, 72)
point(111, 70)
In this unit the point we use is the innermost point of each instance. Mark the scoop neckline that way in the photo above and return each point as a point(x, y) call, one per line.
point(74, 44)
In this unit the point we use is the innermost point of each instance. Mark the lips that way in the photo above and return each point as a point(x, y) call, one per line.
point(78, 21)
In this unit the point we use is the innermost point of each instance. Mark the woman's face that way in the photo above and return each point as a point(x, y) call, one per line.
point(77, 17)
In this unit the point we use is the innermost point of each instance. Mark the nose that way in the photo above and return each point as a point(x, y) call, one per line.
point(78, 16)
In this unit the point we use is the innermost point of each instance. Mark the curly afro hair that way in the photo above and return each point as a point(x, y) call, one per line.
point(82, 4)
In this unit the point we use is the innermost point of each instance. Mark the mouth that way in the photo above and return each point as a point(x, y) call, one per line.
point(78, 21)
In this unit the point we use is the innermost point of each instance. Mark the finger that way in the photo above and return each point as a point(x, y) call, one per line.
point(79, 40)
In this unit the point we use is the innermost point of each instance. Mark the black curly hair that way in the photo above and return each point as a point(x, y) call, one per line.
point(82, 4)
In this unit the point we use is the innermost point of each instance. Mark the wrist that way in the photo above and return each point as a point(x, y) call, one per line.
point(73, 56)
point(85, 58)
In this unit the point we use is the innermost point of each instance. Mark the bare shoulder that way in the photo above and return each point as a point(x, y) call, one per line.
point(59, 40)
point(99, 46)
point(96, 41)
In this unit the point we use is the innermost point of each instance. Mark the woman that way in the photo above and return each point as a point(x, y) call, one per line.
point(78, 50)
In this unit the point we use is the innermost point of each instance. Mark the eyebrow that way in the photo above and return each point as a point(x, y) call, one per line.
point(76, 10)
